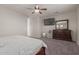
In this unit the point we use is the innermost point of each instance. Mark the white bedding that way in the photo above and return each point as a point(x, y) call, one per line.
point(20, 45)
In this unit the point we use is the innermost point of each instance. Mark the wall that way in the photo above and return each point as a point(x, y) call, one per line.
point(78, 26)
point(72, 16)
point(12, 23)
point(45, 29)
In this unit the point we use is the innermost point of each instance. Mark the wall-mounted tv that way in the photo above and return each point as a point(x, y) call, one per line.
point(49, 21)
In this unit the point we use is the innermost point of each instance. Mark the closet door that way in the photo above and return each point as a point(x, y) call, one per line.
point(35, 27)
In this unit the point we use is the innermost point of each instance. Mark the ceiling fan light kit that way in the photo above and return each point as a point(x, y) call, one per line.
point(37, 9)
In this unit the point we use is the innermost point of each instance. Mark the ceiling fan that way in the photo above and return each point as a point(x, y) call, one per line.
point(37, 9)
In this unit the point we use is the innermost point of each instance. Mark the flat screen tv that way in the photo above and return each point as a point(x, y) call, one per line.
point(49, 21)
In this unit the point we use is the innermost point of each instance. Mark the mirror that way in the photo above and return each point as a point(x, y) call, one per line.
point(62, 24)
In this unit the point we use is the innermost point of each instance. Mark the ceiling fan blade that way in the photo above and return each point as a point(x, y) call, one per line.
point(40, 12)
point(43, 9)
point(33, 12)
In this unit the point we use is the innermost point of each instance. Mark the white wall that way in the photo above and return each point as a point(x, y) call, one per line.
point(78, 26)
point(45, 29)
point(12, 23)
point(72, 16)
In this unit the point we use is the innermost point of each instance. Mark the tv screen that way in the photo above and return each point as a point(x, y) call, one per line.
point(49, 21)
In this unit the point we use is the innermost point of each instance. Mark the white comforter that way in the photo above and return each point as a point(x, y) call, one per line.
point(20, 45)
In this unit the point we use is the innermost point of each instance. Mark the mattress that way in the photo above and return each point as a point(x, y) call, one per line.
point(20, 45)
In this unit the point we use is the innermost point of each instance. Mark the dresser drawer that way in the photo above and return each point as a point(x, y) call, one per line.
point(62, 34)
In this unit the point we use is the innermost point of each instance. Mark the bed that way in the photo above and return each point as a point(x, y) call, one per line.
point(21, 45)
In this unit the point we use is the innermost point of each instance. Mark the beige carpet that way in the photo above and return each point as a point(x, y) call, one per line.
point(59, 47)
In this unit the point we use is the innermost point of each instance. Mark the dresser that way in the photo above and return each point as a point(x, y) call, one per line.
point(62, 34)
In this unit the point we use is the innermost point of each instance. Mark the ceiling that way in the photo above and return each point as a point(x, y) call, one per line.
point(52, 9)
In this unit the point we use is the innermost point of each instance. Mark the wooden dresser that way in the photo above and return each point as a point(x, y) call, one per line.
point(62, 34)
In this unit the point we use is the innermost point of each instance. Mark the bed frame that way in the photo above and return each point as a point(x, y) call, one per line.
point(42, 51)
